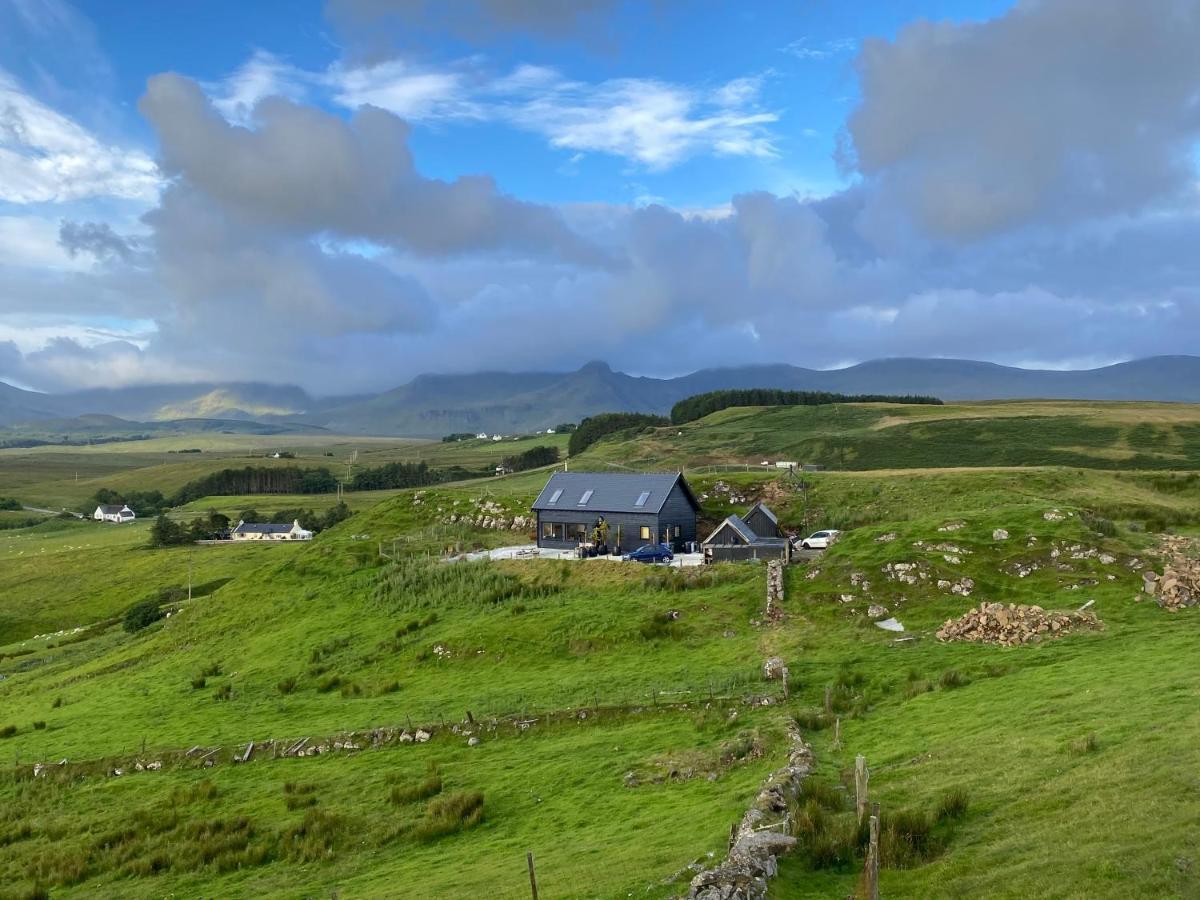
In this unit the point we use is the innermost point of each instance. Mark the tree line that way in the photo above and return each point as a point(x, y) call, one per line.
point(700, 405)
point(595, 427)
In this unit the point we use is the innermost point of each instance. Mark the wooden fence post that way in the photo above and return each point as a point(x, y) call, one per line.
point(828, 699)
point(873, 857)
point(532, 875)
point(837, 733)
point(861, 777)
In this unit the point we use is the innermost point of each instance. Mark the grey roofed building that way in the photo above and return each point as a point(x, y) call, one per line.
point(639, 508)
point(736, 539)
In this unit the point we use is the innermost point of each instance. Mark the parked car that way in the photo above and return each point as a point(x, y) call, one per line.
point(650, 553)
point(819, 540)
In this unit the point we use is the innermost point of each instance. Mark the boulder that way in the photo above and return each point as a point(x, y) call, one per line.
point(1000, 534)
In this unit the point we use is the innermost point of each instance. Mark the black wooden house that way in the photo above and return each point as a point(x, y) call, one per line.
point(638, 509)
point(756, 535)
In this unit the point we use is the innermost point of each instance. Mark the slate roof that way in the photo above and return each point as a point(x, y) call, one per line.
point(112, 510)
point(738, 524)
point(261, 528)
point(766, 511)
point(613, 492)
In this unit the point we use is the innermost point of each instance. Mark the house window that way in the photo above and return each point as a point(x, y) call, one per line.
point(676, 531)
point(645, 533)
point(554, 497)
point(552, 531)
point(642, 498)
point(577, 532)
point(587, 495)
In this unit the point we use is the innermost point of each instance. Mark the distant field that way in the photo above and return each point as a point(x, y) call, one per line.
point(884, 436)
point(57, 477)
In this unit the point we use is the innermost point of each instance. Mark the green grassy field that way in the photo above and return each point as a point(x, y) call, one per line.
point(1075, 756)
point(889, 436)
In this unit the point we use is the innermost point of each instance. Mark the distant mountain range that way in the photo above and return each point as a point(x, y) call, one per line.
point(434, 405)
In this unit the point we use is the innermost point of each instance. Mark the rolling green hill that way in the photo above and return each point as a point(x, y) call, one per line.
point(884, 436)
point(619, 712)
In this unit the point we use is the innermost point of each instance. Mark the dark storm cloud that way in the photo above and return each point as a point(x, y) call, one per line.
point(1054, 111)
point(95, 238)
point(302, 170)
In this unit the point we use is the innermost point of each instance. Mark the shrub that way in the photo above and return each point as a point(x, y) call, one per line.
point(39, 725)
point(314, 838)
point(198, 682)
point(287, 685)
point(325, 685)
point(659, 625)
point(811, 720)
point(224, 692)
point(427, 787)
point(58, 701)
point(952, 678)
point(388, 687)
point(142, 615)
point(450, 814)
point(211, 670)
point(1089, 743)
point(1098, 524)
point(906, 839)
point(952, 806)
point(350, 689)
point(8, 731)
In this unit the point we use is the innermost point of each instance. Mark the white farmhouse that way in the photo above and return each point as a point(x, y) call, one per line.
point(483, 435)
point(115, 514)
point(251, 531)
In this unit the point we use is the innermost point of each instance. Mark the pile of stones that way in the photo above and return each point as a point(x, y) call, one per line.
point(1179, 585)
point(1010, 625)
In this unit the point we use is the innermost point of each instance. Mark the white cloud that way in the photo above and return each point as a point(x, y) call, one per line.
point(262, 75)
point(46, 156)
point(806, 48)
point(655, 123)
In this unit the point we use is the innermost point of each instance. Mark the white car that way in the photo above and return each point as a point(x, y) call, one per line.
point(819, 540)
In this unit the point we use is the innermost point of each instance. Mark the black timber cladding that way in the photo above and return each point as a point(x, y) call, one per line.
point(661, 503)
point(762, 521)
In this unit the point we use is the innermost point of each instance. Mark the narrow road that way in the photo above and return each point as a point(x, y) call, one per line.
point(51, 512)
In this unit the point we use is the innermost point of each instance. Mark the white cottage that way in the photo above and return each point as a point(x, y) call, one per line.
point(251, 531)
point(114, 514)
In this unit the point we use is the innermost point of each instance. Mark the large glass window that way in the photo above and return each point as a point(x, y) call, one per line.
point(645, 533)
point(552, 531)
point(577, 532)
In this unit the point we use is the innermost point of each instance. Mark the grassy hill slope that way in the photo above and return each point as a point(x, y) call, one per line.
point(332, 637)
point(887, 436)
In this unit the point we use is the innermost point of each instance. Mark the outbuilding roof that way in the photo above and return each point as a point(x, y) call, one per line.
point(748, 534)
point(612, 492)
point(766, 511)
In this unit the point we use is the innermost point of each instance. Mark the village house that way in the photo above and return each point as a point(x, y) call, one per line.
point(756, 535)
point(636, 508)
point(252, 531)
point(116, 514)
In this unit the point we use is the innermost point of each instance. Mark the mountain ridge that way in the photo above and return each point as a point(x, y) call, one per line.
point(431, 405)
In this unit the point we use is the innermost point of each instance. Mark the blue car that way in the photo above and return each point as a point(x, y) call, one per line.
point(650, 553)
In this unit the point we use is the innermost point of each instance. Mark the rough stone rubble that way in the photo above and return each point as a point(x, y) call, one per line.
point(1179, 585)
point(1010, 625)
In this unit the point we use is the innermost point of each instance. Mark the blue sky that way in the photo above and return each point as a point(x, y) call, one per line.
point(352, 192)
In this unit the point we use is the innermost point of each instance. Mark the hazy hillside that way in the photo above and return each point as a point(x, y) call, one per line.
point(434, 405)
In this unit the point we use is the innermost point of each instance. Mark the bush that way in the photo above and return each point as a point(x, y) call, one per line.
point(8, 731)
point(447, 815)
point(287, 685)
point(429, 786)
point(952, 678)
point(659, 625)
point(1098, 524)
point(58, 701)
point(224, 692)
point(952, 806)
point(325, 685)
point(1089, 743)
point(142, 615)
point(198, 682)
